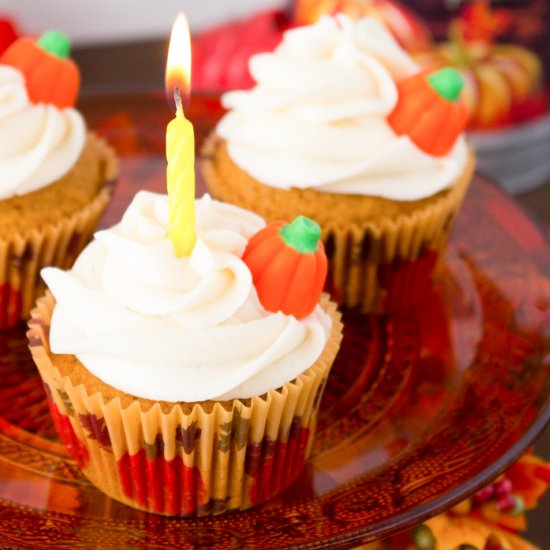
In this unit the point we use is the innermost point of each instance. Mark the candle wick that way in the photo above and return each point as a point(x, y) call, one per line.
point(177, 101)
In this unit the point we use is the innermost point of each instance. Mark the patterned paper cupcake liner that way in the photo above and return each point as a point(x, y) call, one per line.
point(379, 265)
point(22, 257)
point(185, 459)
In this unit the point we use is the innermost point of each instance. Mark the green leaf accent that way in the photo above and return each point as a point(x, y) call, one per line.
point(56, 43)
point(424, 538)
point(519, 506)
point(66, 401)
point(447, 82)
point(302, 234)
point(240, 429)
point(224, 441)
point(235, 432)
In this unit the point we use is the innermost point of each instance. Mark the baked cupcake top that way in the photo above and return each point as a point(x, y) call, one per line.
point(318, 116)
point(178, 329)
point(40, 141)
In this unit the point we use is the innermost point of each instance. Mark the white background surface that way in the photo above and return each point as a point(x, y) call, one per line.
point(96, 21)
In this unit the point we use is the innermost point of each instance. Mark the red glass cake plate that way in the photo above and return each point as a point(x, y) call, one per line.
point(421, 408)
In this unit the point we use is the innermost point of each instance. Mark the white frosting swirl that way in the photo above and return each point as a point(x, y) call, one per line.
point(317, 116)
point(169, 329)
point(38, 143)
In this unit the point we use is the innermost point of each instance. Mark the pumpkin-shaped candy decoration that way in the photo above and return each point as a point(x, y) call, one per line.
point(430, 111)
point(51, 77)
point(288, 266)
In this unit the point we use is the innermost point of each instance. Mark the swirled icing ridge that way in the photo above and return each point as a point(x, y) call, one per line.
point(317, 116)
point(177, 329)
point(38, 143)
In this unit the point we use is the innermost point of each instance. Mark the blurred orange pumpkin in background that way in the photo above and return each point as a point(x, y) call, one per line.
point(504, 83)
point(406, 27)
point(498, 50)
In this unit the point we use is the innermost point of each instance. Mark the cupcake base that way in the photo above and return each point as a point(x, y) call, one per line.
point(184, 459)
point(40, 229)
point(382, 253)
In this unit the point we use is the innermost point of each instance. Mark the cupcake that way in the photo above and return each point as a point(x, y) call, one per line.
point(188, 386)
point(344, 128)
point(55, 177)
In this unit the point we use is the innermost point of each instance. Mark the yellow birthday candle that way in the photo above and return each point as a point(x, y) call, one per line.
point(180, 145)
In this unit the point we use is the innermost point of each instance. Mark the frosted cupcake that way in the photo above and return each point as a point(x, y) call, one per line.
point(323, 133)
point(55, 177)
point(188, 386)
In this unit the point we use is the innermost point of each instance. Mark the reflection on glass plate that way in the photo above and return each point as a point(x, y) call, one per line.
point(421, 408)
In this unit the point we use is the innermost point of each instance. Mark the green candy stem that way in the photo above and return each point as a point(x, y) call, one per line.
point(56, 43)
point(447, 83)
point(302, 234)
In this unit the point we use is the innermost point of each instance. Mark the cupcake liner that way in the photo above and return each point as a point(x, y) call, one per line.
point(185, 459)
point(382, 254)
point(23, 256)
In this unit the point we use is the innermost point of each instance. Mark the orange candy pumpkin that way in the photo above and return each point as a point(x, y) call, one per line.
point(51, 77)
point(430, 111)
point(288, 266)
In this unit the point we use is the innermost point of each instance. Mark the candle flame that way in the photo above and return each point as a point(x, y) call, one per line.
point(178, 65)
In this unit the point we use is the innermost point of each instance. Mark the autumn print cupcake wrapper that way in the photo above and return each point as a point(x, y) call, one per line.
point(379, 265)
point(187, 459)
point(22, 257)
